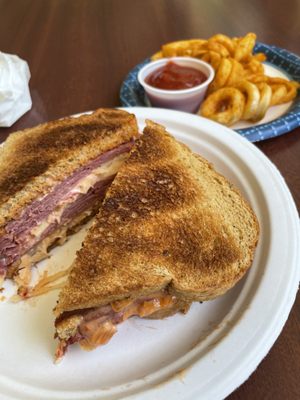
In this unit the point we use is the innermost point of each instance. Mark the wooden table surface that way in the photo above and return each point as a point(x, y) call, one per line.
point(80, 51)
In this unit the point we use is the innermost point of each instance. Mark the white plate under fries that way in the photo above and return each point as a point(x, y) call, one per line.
point(205, 354)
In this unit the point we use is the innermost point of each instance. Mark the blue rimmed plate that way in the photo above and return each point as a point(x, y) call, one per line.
point(277, 121)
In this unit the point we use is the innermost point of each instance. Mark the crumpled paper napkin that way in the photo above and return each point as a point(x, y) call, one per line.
point(15, 97)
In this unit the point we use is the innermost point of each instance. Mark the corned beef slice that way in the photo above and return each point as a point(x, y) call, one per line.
point(19, 240)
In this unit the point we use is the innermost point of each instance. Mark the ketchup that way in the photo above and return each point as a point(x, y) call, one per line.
point(175, 77)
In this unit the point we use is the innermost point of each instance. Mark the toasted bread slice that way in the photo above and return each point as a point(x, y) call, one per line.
point(171, 231)
point(35, 159)
point(169, 222)
point(52, 174)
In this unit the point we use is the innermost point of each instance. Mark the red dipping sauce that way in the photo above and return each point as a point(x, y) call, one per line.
point(175, 77)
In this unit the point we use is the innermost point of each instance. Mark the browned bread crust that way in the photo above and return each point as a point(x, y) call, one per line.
point(35, 159)
point(169, 220)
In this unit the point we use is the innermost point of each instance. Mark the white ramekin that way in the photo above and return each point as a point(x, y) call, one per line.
point(186, 99)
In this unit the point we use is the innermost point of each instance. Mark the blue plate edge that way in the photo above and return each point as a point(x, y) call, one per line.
point(278, 127)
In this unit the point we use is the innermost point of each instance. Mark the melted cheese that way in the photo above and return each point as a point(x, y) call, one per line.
point(96, 334)
point(104, 171)
point(148, 307)
point(99, 331)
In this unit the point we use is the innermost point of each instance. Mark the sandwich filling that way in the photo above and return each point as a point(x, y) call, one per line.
point(78, 195)
point(94, 327)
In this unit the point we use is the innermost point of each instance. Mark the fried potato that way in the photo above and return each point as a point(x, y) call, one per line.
point(283, 90)
point(245, 46)
point(213, 58)
point(217, 47)
point(183, 48)
point(260, 57)
point(157, 56)
point(254, 67)
point(225, 105)
point(222, 75)
point(226, 42)
point(257, 78)
point(252, 99)
point(237, 73)
point(278, 93)
point(264, 102)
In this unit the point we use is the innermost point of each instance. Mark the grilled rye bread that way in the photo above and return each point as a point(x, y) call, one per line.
point(37, 160)
point(169, 224)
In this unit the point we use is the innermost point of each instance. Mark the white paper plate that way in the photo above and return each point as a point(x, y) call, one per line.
point(205, 354)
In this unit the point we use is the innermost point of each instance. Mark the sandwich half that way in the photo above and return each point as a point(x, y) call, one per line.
point(53, 179)
point(171, 230)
